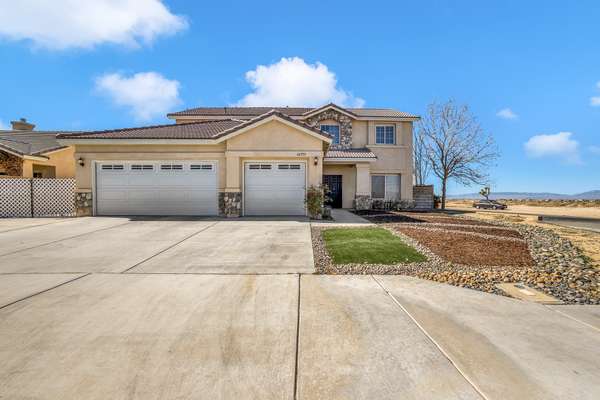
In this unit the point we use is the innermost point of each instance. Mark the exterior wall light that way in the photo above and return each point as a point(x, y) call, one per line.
point(81, 161)
point(316, 161)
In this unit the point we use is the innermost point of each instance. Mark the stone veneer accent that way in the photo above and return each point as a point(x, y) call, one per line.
point(362, 202)
point(12, 165)
point(345, 127)
point(230, 204)
point(83, 203)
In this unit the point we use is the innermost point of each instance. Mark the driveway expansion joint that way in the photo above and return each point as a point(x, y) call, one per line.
point(297, 361)
point(44, 291)
point(63, 239)
point(432, 340)
point(170, 247)
point(571, 317)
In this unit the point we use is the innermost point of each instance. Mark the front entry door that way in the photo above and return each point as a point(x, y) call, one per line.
point(334, 184)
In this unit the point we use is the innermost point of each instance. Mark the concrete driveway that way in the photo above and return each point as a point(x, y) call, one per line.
point(129, 324)
point(158, 245)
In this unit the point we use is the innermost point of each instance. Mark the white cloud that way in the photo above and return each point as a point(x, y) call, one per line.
point(595, 100)
point(147, 94)
point(507, 113)
point(63, 24)
point(293, 82)
point(558, 145)
point(594, 150)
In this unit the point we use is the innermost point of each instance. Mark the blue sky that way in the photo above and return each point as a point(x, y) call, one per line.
point(539, 59)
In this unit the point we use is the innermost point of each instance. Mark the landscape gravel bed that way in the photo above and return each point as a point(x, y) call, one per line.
point(558, 267)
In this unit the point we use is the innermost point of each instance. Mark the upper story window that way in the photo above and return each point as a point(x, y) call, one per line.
point(385, 134)
point(334, 131)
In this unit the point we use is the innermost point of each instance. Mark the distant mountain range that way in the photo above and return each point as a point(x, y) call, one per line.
point(591, 195)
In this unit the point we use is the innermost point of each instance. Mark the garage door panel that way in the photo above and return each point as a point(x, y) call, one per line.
point(147, 189)
point(274, 188)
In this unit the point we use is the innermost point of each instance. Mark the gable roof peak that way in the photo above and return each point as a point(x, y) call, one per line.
point(327, 106)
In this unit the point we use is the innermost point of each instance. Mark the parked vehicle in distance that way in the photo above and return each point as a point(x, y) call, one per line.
point(489, 205)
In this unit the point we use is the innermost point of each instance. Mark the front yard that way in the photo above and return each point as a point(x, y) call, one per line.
point(460, 251)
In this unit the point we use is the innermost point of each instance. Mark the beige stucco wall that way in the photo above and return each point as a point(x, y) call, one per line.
point(273, 141)
point(274, 135)
point(359, 134)
point(394, 159)
point(348, 173)
point(63, 162)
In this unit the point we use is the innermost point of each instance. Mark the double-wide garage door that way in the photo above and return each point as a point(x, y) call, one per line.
point(156, 188)
point(274, 188)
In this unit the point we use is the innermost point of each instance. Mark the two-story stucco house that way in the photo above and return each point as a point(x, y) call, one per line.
point(233, 161)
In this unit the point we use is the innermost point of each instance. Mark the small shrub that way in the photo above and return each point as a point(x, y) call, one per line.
point(315, 198)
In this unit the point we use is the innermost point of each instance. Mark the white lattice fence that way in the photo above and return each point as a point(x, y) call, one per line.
point(15, 197)
point(37, 197)
point(53, 197)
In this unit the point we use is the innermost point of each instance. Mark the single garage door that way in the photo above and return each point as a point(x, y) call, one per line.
point(274, 188)
point(156, 188)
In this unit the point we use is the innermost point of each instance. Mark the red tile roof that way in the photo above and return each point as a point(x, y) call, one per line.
point(249, 112)
point(362, 153)
point(193, 130)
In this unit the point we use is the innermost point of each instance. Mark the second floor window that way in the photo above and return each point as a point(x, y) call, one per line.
point(385, 134)
point(334, 131)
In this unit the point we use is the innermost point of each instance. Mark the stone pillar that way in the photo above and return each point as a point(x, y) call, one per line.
point(83, 203)
point(230, 204)
point(362, 199)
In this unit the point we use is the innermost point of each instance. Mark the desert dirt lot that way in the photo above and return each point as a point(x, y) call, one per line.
point(537, 208)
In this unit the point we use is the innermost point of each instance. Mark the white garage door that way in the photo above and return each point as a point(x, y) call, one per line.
point(156, 188)
point(274, 188)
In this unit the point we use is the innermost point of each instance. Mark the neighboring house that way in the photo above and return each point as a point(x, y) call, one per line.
point(234, 161)
point(34, 154)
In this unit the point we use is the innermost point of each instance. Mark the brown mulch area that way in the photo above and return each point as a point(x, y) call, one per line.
point(454, 220)
point(471, 250)
point(382, 217)
point(486, 231)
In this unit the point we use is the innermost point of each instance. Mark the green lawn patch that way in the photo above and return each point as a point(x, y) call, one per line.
point(368, 246)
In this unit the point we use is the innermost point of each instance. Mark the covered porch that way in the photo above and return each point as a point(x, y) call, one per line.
point(347, 175)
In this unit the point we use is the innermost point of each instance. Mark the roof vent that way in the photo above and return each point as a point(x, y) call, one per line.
point(22, 125)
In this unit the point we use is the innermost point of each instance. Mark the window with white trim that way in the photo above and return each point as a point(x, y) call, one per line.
point(333, 130)
point(385, 187)
point(385, 134)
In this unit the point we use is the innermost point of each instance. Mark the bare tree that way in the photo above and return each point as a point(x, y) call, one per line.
point(456, 146)
point(422, 167)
